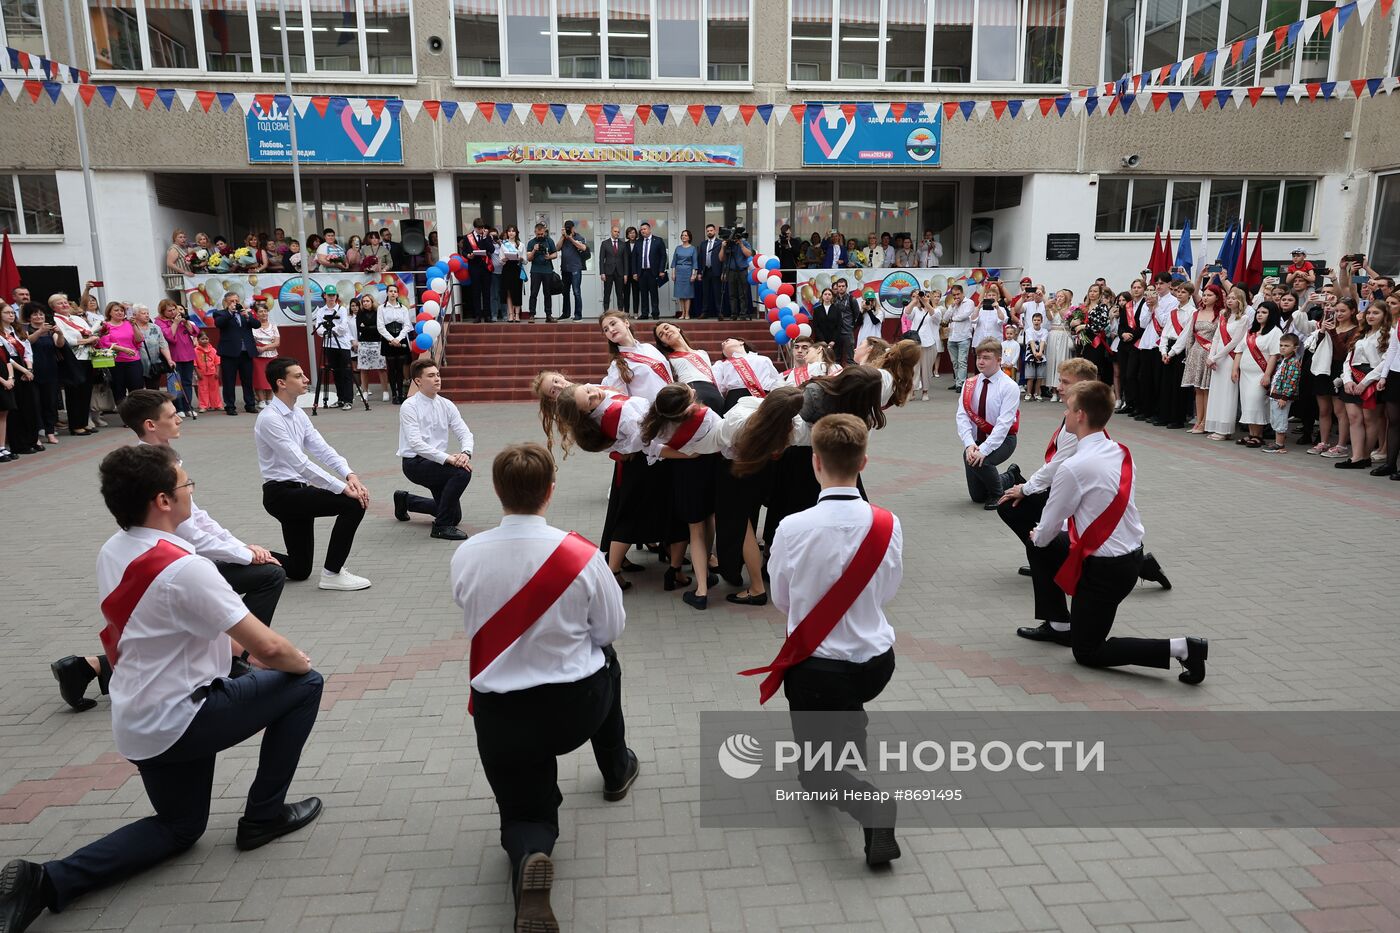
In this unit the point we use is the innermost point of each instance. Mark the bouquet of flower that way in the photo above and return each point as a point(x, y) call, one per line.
point(198, 259)
point(245, 258)
point(369, 263)
point(217, 262)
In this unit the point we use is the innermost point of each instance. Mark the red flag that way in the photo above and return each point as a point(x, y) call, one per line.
point(434, 107)
point(1238, 274)
point(998, 108)
point(1046, 104)
point(9, 270)
point(1167, 254)
point(264, 101)
point(1254, 94)
point(747, 111)
point(1254, 272)
point(897, 109)
point(950, 107)
point(376, 106)
point(799, 111)
point(594, 111)
point(487, 108)
point(849, 112)
point(644, 112)
point(696, 111)
point(1157, 263)
point(86, 91)
point(1158, 99)
point(321, 103)
point(1327, 18)
point(540, 111)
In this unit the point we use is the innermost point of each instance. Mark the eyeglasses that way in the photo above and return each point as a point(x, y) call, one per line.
point(189, 483)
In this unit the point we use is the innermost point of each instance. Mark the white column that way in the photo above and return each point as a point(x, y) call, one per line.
point(765, 230)
point(445, 202)
point(681, 210)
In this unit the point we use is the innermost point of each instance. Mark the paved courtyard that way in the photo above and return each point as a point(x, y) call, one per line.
point(1286, 564)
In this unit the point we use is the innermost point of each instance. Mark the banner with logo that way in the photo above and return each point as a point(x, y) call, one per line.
point(337, 135)
point(495, 155)
point(283, 291)
point(849, 135)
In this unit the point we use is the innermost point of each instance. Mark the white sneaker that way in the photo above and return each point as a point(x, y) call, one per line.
point(345, 580)
point(347, 407)
point(385, 398)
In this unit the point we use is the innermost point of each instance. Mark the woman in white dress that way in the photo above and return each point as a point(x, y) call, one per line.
point(922, 316)
point(871, 318)
point(1222, 406)
point(1057, 348)
point(1254, 371)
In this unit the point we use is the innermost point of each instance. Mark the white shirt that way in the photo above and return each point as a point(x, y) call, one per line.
point(425, 425)
point(1030, 308)
point(1011, 353)
point(700, 443)
point(1365, 352)
point(687, 371)
point(388, 313)
point(284, 436)
point(930, 254)
point(989, 323)
point(645, 382)
point(814, 371)
point(71, 333)
point(727, 377)
point(1153, 326)
point(1040, 480)
point(1391, 363)
point(629, 423)
point(876, 257)
point(173, 643)
point(565, 644)
point(810, 549)
point(1167, 330)
point(342, 336)
point(646, 252)
point(959, 318)
point(1084, 486)
point(209, 538)
point(1003, 403)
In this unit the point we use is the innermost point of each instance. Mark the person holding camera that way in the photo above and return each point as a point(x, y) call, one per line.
point(237, 347)
point(338, 341)
point(734, 255)
point(785, 248)
point(180, 334)
point(425, 422)
point(573, 257)
point(540, 253)
point(648, 265)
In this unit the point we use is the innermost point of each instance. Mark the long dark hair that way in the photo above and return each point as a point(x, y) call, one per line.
point(579, 425)
point(855, 390)
point(671, 406)
point(614, 351)
point(663, 345)
point(1270, 323)
point(766, 433)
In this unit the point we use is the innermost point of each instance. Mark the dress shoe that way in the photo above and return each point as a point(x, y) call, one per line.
point(533, 913)
point(21, 895)
point(251, 409)
point(881, 847)
point(401, 505)
point(695, 601)
point(1175, 425)
point(1141, 418)
point(634, 768)
point(230, 411)
point(1382, 470)
point(1352, 464)
point(748, 599)
point(674, 578)
point(448, 533)
point(1195, 661)
point(991, 504)
point(1017, 477)
point(1024, 570)
point(1152, 572)
point(73, 675)
point(1044, 632)
point(254, 834)
point(345, 581)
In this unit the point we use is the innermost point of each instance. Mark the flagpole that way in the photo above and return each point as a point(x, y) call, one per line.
point(83, 159)
point(315, 371)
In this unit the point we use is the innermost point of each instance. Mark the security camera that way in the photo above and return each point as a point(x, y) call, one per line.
point(1131, 161)
point(435, 44)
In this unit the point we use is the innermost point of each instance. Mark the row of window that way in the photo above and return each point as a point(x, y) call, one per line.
point(1142, 205)
point(29, 205)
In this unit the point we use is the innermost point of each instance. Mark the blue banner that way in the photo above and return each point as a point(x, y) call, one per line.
point(338, 137)
point(860, 137)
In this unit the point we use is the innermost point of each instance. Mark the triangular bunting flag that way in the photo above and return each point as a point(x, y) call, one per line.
point(70, 92)
point(283, 102)
point(1297, 28)
point(1238, 96)
point(85, 91)
point(780, 114)
point(1206, 97)
point(1363, 9)
point(558, 110)
point(626, 112)
point(522, 112)
point(540, 111)
point(747, 111)
point(660, 111)
point(950, 107)
point(264, 102)
point(321, 102)
point(1328, 89)
point(1013, 107)
point(1221, 96)
point(147, 95)
point(166, 96)
point(1062, 104)
point(487, 108)
point(1236, 50)
point(849, 112)
point(967, 106)
point(245, 100)
point(1345, 13)
point(1189, 100)
point(412, 108)
point(998, 108)
point(504, 111)
point(696, 111)
point(1280, 36)
point(51, 88)
point(1158, 99)
point(644, 112)
point(1326, 19)
point(712, 112)
point(1254, 94)
point(1045, 104)
point(1197, 62)
point(1281, 91)
point(981, 108)
point(376, 106)
point(1313, 88)
point(730, 112)
point(301, 103)
point(1174, 99)
point(1371, 85)
point(449, 109)
point(1208, 66)
point(881, 111)
point(108, 93)
point(1090, 104)
point(897, 110)
point(13, 86)
point(1250, 45)
point(1356, 86)
point(128, 96)
point(865, 111)
point(1162, 74)
point(186, 98)
point(915, 110)
point(798, 111)
point(576, 112)
point(610, 112)
point(594, 111)
point(765, 112)
point(434, 107)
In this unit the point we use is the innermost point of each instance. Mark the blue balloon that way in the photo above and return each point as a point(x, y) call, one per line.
point(781, 338)
point(787, 317)
point(763, 292)
point(773, 263)
point(424, 342)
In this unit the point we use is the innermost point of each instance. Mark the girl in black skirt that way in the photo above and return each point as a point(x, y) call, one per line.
point(690, 366)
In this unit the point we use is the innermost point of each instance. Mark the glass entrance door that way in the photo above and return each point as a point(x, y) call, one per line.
point(659, 216)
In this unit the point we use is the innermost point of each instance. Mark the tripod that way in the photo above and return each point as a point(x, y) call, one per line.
point(323, 389)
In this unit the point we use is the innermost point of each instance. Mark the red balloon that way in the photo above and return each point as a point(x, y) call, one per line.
point(461, 273)
point(754, 276)
point(773, 315)
point(801, 317)
point(793, 330)
point(455, 263)
point(431, 295)
point(425, 316)
point(770, 301)
point(787, 288)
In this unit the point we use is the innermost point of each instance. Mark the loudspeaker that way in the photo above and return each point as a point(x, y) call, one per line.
point(412, 237)
point(979, 239)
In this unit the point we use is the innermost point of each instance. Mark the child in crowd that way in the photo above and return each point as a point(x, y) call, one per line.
point(206, 367)
point(293, 258)
point(1035, 338)
point(1011, 351)
point(1282, 393)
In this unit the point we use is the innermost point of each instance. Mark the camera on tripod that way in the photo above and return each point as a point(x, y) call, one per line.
point(327, 323)
point(733, 234)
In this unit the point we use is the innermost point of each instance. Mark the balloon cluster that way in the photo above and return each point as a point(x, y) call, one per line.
point(786, 318)
point(427, 327)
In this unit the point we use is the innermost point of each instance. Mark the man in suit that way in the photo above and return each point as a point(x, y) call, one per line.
point(236, 351)
point(614, 266)
point(479, 247)
point(648, 261)
point(711, 273)
point(846, 311)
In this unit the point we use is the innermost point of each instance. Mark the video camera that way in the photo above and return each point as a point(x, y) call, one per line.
point(327, 323)
point(734, 233)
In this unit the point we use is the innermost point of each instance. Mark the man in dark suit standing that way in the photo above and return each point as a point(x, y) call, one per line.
point(846, 313)
point(648, 261)
point(711, 273)
point(479, 247)
point(236, 351)
point(614, 267)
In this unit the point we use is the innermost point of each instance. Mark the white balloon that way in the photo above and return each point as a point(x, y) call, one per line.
point(804, 330)
point(438, 285)
point(431, 307)
point(774, 281)
point(775, 327)
point(784, 300)
point(432, 329)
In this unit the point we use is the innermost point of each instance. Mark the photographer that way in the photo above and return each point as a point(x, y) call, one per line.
point(180, 333)
point(336, 326)
point(236, 351)
point(540, 253)
point(573, 257)
point(734, 255)
point(785, 248)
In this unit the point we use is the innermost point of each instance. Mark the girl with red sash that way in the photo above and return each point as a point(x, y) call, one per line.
point(1197, 370)
point(547, 386)
point(743, 372)
point(810, 361)
point(637, 368)
point(1388, 392)
point(1254, 371)
point(1223, 399)
point(1361, 371)
point(1328, 347)
point(679, 428)
point(690, 366)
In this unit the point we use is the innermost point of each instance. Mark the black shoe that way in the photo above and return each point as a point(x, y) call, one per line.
point(881, 847)
point(1014, 471)
point(695, 601)
point(634, 767)
point(1176, 425)
point(253, 835)
point(954, 388)
point(711, 578)
point(991, 504)
point(629, 567)
point(1352, 464)
point(238, 668)
point(1195, 661)
point(752, 599)
point(73, 675)
point(1156, 422)
point(534, 878)
point(401, 505)
point(733, 579)
point(251, 409)
point(448, 533)
point(1152, 572)
point(622, 584)
point(1395, 475)
point(21, 895)
point(1382, 470)
point(1044, 632)
point(1141, 418)
point(1024, 570)
point(674, 578)
point(230, 411)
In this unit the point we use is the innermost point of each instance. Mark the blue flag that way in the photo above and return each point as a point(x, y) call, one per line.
point(1183, 249)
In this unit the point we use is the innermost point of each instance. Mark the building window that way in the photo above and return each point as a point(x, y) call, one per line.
point(995, 193)
point(349, 204)
point(862, 207)
point(627, 41)
point(22, 27)
point(1138, 205)
point(29, 205)
point(1384, 255)
point(928, 41)
point(1147, 35)
point(344, 37)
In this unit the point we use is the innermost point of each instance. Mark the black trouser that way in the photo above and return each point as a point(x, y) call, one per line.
point(737, 503)
point(338, 362)
point(1149, 374)
point(521, 734)
point(737, 281)
point(536, 286)
point(1102, 360)
point(1171, 398)
point(297, 506)
point(46, 397)
point(447, 484)
point(22, 427)
point(842, 688)
point(1021, 515)
point(1128, 373)
point(645, 298)
point(258, 585)
point(126, 377)
point(241, 365)
point(78, 396)
point(984, 481)
point(480, 287)
point(394, 364)
point(709, 291)
point(180, 780)
point(611, 281)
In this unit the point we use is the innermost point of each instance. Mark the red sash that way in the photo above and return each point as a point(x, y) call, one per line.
point(832, 607)
point(17, 344)
point(662, 372)
point(687, 428)
point(612, 414)
point(1176, 321)
point(80, 328)
point(1224, 330)
point(524, 609)
point(1368, 395)
point(490, 264)
point(800, 374)
point(748, 377)
point(696, 360)
point(1054, 443)
point(136, 580)
point(1132, 316)
point(1202, 340)
point(982, 424)
point(1098, 531)
point(1251, 340)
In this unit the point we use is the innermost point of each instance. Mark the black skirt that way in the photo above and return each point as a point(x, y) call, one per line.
point(708, 395)
point(1391, 393)
point(693, 488)
point(639, 504)
point(1356, 399)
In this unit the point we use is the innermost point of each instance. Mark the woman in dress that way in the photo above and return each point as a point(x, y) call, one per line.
point(1197, 372)
point(267, 339)
point(508, 253)
point(1223, 399)
point(352, 254)
point(1253, 371)
point(1361, 371)
point(683, 276)
point(371, 355)
point(21, 434)
point(180, 335)
point(117, 334)
point(1057, 348)
point(1329, 345)
point(690, 366)
point(153, 347)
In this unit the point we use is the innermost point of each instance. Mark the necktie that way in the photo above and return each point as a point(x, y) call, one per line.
point(982, 408)
point(646, 253)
